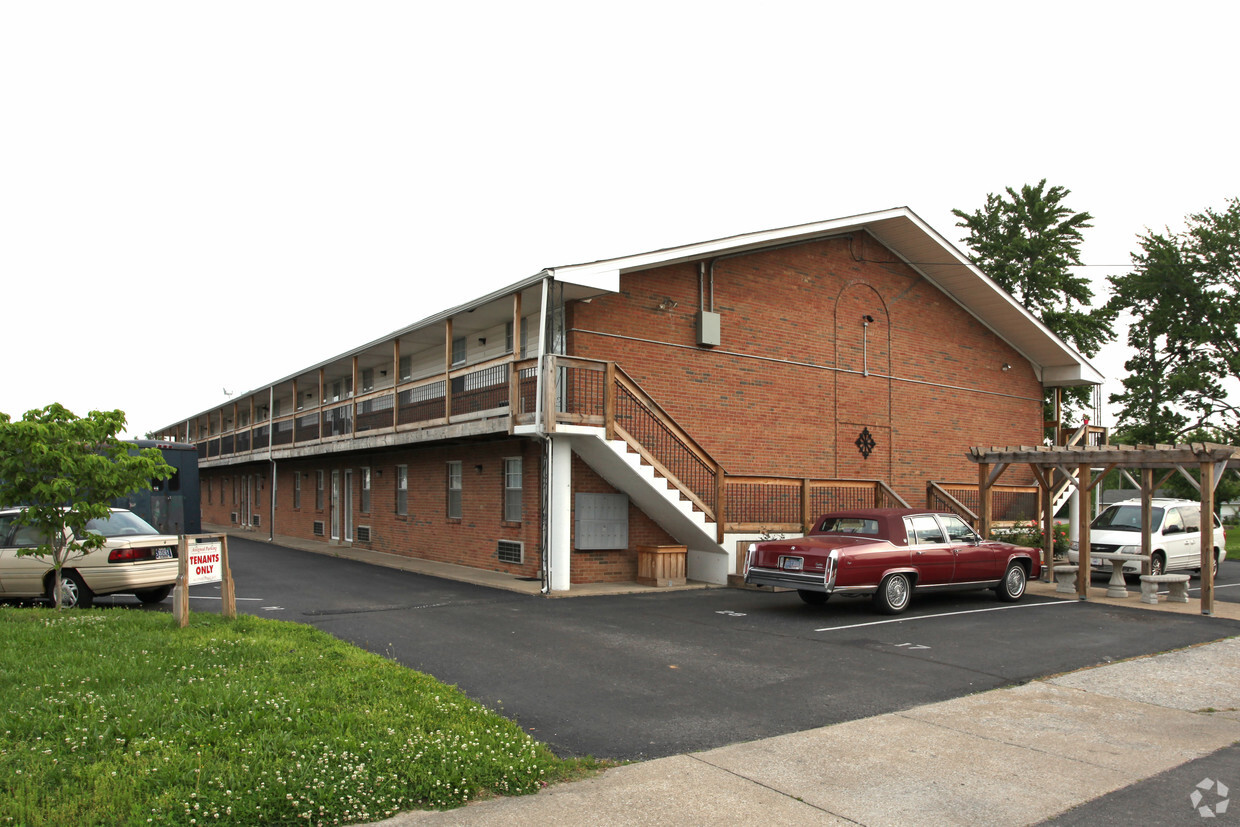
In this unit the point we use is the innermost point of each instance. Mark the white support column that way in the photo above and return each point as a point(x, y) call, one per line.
point(560, 511)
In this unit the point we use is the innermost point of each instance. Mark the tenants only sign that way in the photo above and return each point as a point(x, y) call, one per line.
point(205, 562)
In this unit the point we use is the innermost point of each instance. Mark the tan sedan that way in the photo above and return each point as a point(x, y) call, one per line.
point(134, 559)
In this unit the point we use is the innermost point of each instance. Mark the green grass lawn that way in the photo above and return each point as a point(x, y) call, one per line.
point(1233, 541)
point(119, 717)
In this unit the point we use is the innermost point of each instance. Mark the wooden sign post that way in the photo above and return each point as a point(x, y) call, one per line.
point(203, 558)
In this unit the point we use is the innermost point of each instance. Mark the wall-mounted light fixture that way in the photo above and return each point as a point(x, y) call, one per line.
point(866, 321)
point(478, 468)
point(1006, 366)
point(482, 340)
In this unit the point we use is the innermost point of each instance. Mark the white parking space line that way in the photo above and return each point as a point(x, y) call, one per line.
point(209, 597)
point(947, 614)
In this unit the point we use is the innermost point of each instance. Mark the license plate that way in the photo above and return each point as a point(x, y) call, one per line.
point(163, 554)
point(792, 564)
point(1097, 562)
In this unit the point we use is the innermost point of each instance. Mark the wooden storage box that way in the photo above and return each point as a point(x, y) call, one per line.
point(661, 565)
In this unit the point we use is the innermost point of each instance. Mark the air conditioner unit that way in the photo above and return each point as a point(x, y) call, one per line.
point(510, 551)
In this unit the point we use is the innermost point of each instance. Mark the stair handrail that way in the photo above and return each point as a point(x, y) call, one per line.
point(711, 503)
point(933, 489)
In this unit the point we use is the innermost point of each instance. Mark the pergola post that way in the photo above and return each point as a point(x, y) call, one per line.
point(1147, 518)
point(1048, 527)
point(983, 499)
point(1083, 491)
point(1207, 537)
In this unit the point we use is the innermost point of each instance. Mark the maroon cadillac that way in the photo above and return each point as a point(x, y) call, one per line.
point(890, 552)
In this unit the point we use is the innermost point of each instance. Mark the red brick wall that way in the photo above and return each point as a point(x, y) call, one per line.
point(782, 395)
point(425, 532)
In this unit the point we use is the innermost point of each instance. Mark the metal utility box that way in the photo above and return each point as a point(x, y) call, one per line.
point(708, 328)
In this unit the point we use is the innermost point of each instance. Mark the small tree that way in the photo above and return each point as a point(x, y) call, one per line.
point(1029, 243)
point(66, 470)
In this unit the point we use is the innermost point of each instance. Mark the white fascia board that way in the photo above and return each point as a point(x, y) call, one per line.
point(729, 245)
point(1074, 369)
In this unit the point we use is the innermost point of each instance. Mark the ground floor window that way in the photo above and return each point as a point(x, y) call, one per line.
point(454, 490)
point(402, 489)
point(296, 489)
point(318, 490)
point(512, 489)
point(365, 490)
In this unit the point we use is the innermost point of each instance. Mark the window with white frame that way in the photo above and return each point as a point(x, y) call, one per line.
point(365, 490)
point(406, 368)
point(454, 490)
point(368, 380)
point(296, 489)
point(459, 353)
point(402, 489)
point(512, 489)
point(318, 490)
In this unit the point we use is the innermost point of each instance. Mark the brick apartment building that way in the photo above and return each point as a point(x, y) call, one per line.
point(695, 396)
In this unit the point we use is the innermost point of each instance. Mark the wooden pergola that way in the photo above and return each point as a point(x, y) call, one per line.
point(1085, 466)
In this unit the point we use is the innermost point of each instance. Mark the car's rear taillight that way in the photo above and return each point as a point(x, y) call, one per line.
point(137, 555)
point(749, 554)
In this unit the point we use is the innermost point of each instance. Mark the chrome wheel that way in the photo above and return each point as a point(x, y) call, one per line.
point(1156, 564)
point(893, 594)
point(1013, 586)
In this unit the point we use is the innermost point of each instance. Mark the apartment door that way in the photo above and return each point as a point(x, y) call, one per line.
point(335, 505)
point(348, 505)
point(245, 501)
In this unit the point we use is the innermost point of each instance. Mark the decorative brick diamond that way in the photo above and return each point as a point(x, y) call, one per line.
point(865, 443)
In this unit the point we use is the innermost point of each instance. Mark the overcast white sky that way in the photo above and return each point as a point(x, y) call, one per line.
point(204, 196)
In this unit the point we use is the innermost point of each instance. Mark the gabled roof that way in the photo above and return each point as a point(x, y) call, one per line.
point(920, 247)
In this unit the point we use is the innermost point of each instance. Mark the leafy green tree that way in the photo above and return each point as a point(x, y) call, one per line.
point(1181, 297)
point(66, 470)
point(1029, 243)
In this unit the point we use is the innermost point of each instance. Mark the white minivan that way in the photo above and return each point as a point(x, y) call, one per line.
point(1175, 533)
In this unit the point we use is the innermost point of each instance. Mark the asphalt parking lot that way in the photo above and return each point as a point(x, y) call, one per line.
point(632, 677)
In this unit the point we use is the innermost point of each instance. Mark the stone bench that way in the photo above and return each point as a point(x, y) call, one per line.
point(1065, 579)
point(1177, 587)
